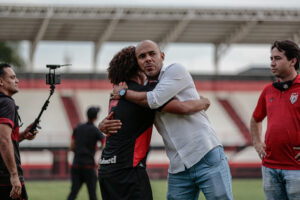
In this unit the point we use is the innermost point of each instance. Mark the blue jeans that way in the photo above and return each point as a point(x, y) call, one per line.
point(281, 184)
point(211, 175)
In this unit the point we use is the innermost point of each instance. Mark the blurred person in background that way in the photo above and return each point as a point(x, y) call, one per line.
point(280, 103)
point(11, 173)
point(122, 172)
point(84, 144)
point(197, 159)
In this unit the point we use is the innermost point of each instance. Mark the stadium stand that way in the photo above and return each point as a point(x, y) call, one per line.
point(95, 97)
point(226, 130)
point(244, 103)
point(55, 130)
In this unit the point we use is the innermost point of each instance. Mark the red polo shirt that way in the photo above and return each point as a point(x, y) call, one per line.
point(282, 109)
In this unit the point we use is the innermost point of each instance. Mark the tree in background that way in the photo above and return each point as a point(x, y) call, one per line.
point(9, 54)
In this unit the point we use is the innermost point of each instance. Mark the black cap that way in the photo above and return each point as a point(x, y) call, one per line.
point(92, 112)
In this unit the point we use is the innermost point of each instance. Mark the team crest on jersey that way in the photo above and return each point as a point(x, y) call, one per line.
point(294, 97)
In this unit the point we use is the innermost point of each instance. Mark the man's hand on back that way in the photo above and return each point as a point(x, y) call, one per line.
point(109, 125)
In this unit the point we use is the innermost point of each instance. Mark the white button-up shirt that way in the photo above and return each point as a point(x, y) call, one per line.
point(187, 138)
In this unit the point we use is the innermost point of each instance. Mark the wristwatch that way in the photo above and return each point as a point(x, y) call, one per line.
point(122, 92)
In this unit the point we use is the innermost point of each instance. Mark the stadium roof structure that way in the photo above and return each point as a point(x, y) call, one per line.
point(219, 26)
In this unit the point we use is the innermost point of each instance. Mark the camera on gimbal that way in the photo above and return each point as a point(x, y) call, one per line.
point(51, 77)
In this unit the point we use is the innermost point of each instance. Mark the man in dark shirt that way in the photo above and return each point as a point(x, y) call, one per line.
point(11, 174)
point(84, 143)
point(124, 157)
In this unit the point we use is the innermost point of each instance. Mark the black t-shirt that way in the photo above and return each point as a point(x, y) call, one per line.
point(129, 147)
point(86, 137)
point(9, 116)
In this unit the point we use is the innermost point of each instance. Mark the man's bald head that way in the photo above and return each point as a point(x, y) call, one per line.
point(150, 58)
point(140, 44)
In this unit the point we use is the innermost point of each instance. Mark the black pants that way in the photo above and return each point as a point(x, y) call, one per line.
point(5, 192)
point(80, 176)
point(126, 184)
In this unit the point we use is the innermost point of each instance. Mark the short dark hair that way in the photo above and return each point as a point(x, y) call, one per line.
point(123, 66)
point(2, 66)
point(92, 112)
point(290, 48)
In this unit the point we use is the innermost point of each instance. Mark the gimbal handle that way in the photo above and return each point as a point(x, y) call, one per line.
point(36, 122)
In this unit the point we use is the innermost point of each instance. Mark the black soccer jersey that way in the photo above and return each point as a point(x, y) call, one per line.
point(86, 137)
point(129, 147)
point(9, 116)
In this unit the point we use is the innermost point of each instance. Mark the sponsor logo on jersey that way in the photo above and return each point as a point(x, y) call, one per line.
point(112, 160)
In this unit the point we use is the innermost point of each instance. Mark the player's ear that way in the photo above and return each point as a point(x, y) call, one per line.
point(293, 62)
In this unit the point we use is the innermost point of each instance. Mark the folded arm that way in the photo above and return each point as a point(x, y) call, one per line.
point(186, 107)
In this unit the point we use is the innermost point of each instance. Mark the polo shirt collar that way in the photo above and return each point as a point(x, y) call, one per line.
point(4, 95)
point(163, 69)
point(297, 80)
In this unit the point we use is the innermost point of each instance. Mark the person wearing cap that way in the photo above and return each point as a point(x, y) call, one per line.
point(83, 144)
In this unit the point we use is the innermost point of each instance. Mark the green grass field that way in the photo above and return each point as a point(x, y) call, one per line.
point(243, 189)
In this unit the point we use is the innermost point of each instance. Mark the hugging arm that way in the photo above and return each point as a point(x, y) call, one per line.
point(176, 79)
point(186, 107)
point(111, 126)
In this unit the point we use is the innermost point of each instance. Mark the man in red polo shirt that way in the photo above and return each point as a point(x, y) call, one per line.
point(280, 103)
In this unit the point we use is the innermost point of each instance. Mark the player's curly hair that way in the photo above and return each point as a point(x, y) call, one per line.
point(123, 66)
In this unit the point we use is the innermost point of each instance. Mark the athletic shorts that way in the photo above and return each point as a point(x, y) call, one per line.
point(5, 192)
point(126, 184)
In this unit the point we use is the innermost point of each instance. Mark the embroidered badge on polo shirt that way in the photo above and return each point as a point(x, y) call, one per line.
point(294, 97)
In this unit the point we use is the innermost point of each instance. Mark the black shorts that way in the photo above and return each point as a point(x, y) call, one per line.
point(5, 192)
point(126, 184)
